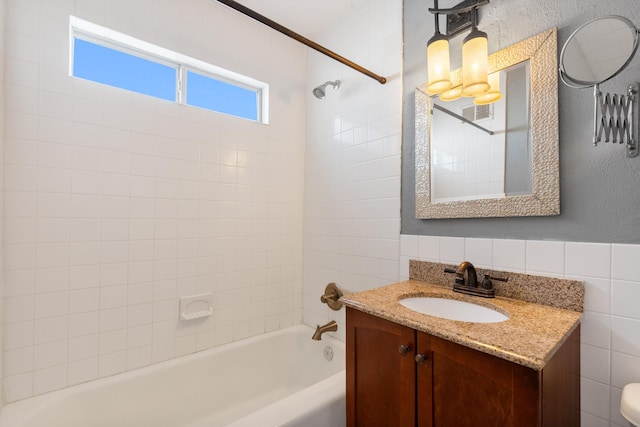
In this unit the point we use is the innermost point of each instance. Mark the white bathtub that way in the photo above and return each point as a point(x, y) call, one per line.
point(277, 379)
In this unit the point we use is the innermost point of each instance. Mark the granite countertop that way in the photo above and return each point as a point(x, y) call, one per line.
point(530, 336)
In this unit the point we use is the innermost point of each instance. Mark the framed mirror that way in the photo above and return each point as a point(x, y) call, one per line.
point(511, 166)
point(598, 51)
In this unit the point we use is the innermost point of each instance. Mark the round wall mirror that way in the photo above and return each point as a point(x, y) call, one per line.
point(598, 51)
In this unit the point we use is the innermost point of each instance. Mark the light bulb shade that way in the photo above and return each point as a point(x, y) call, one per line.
point(452, 94)
point(438, 68)
point(493, 94)
point(475, 52)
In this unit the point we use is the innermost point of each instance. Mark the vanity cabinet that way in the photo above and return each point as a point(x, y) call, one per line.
point(397, 376)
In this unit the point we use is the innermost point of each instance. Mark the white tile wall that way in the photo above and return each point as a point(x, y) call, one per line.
point(610, 348)
point(115, 203)
point(352, 169)
point(2, 237)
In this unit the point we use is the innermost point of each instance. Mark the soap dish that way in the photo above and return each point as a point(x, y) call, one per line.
point(196, 306)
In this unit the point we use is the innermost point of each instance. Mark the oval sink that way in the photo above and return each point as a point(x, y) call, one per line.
point(453, 309)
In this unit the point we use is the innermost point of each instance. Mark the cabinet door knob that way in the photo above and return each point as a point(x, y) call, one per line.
point(421, 359)
point(404, 349)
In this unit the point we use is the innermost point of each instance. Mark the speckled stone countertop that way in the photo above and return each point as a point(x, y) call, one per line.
point(529, 337)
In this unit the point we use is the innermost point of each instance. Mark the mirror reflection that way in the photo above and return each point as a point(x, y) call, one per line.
point(598, 51)
point(483, 151)
point(493, 160)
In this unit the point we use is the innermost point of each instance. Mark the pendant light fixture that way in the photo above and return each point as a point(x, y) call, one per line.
point(452, 94)
point(475, 62)
point(493, 94)
point(475, 80)
point(438, 66)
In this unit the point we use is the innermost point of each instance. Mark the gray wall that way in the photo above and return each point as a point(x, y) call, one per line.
point(599, 186)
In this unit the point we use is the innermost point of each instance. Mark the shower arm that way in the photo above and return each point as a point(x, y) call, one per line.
point(313, 45)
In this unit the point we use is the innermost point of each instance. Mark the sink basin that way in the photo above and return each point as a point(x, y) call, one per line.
point(453, 309)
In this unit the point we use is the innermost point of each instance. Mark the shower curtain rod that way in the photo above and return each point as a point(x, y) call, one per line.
point(313, 45)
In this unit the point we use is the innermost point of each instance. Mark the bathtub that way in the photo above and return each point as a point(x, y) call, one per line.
point(277, 379)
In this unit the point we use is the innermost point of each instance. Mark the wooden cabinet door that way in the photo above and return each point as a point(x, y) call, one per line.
point(471, 388)
point(381, 389)
point(449, 385)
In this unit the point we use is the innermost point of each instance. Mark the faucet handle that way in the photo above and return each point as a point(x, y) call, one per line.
point(460, 276)
point(486, 282)
point(331, 297)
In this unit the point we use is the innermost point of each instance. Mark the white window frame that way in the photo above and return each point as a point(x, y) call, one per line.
point(85, 30)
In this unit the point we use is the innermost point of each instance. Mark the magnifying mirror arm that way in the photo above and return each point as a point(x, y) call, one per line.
point(616, 116)
point(596, 100)
point(632, 144)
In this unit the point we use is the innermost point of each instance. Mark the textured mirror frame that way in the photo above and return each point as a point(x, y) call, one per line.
point(541, 52)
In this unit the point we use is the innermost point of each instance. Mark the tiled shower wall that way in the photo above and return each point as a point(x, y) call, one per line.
point(610, 349)
point(116, 204)
point(352, 172)
point(2, 44)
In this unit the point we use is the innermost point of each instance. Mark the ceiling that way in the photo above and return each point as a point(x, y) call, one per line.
point(305, 17)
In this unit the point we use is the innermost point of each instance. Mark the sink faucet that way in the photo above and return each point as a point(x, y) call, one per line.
point(472, 277)
point(469, 285)
point(329, 327)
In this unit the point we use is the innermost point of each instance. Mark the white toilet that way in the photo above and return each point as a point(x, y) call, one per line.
point(630, 403)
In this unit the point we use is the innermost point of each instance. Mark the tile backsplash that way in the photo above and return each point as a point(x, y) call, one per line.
point(552, 291)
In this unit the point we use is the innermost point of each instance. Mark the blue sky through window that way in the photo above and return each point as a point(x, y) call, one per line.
point(114, 68)
point(105, 56)
point(207, 92)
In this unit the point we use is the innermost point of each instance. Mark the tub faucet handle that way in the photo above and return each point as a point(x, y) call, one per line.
point(331, 297)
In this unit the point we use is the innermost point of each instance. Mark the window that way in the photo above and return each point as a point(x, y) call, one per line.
point(115, 68)
point(206, 91)
point(115, 59)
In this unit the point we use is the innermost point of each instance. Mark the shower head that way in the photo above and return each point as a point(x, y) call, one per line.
point(319, 92)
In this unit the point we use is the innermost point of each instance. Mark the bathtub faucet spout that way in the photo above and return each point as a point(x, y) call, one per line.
point(329, 327)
